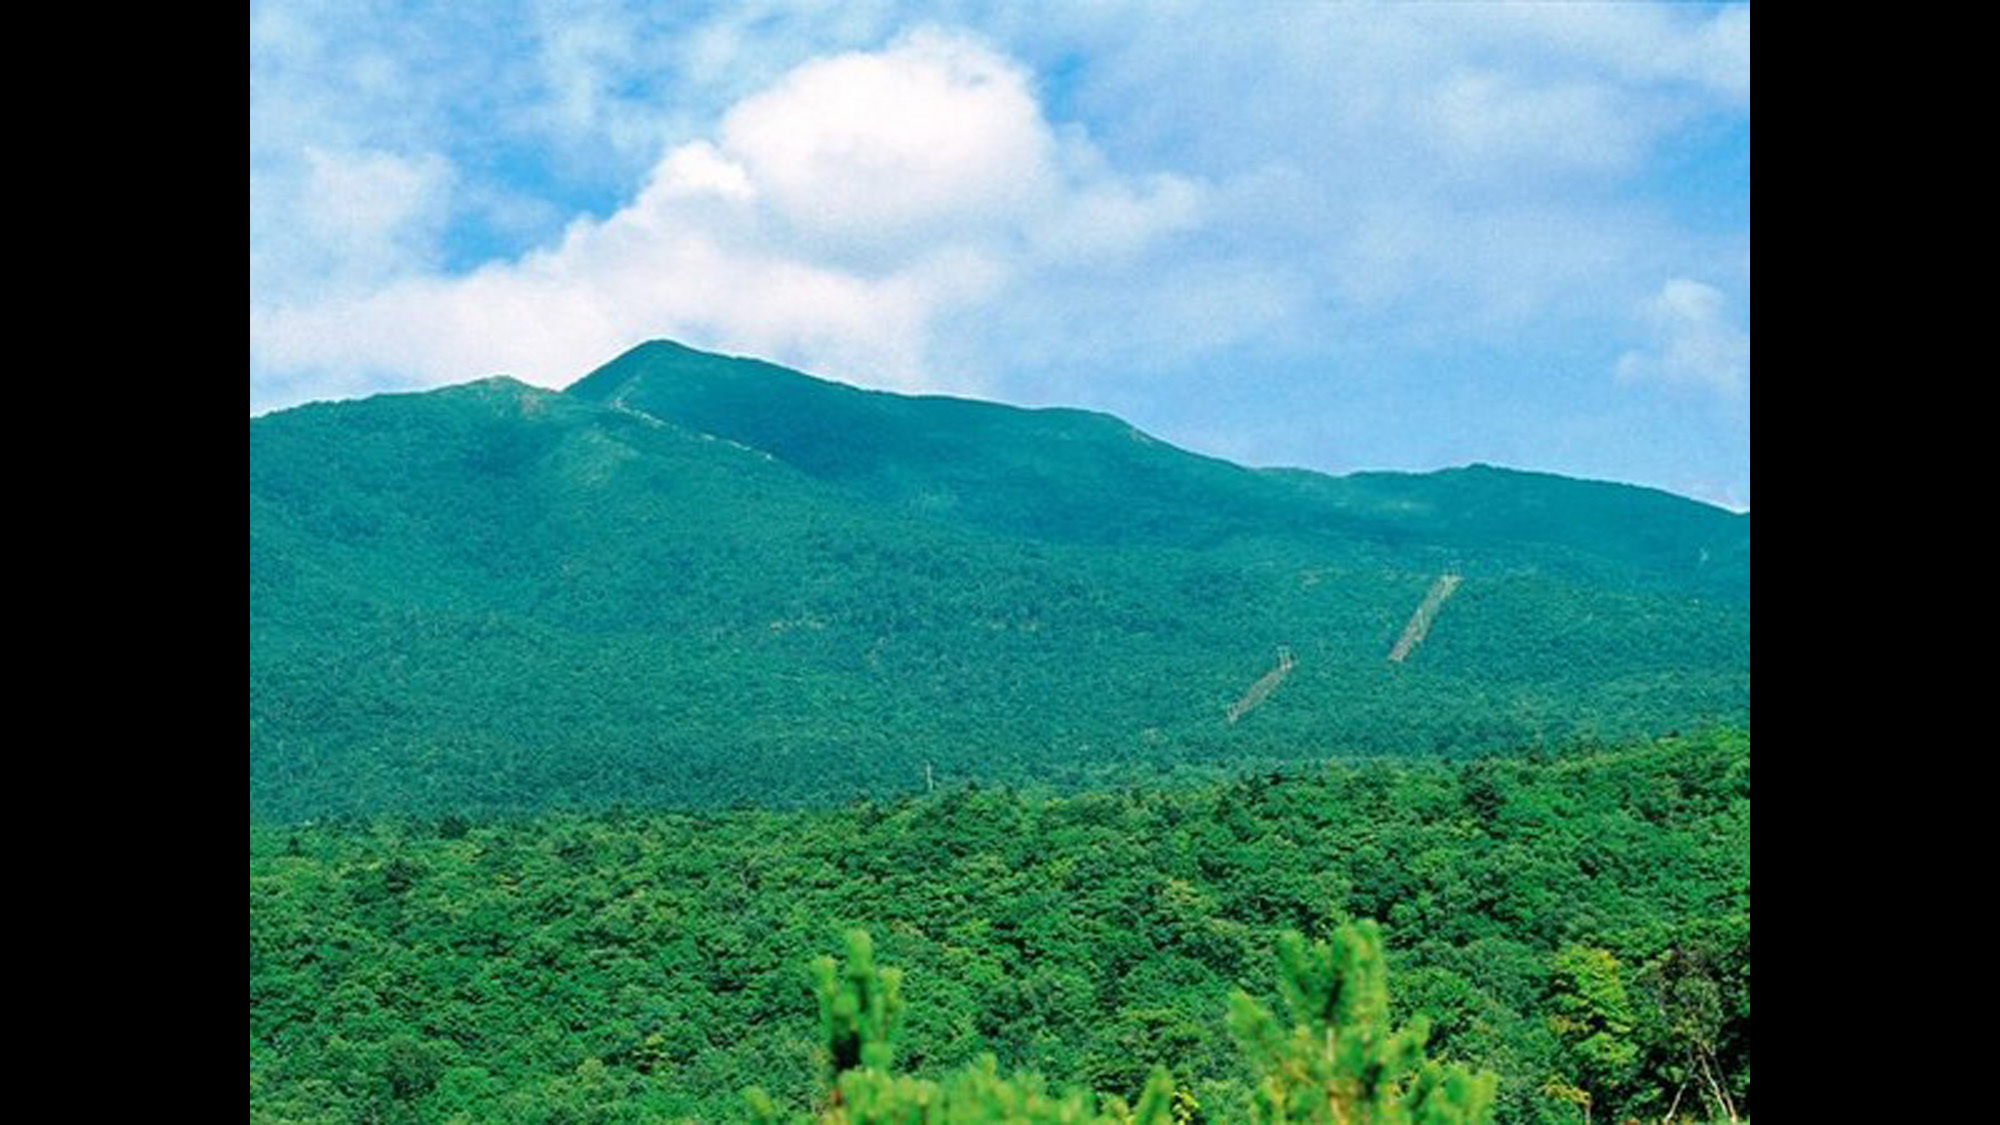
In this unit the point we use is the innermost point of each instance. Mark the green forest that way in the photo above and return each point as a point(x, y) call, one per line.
point(1549, 936)
point(712, 743)
point(980, 562)
point(691, 580)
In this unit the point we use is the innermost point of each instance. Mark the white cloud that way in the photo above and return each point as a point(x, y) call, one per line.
point(1705, 51)
point(1481, 119)
point(1156, 208)
point(934, 137)
point(932, 214)
point(830, 222)
point(1432, 166)
point(1695, 342)
point(383, 211)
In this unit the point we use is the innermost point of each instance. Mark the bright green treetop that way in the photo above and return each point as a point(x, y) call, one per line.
point(1340, 1060)
point(859, 1008)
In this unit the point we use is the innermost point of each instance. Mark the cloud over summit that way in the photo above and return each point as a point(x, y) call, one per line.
point(827, 222)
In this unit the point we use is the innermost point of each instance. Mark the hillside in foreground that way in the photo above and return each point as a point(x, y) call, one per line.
point(697, 580)
point(1576, 924)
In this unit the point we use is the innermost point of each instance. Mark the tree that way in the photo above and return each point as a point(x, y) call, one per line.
point(1594, 1017)
point(1692, 1007)
point(860, 1007)
point(1340, 1060)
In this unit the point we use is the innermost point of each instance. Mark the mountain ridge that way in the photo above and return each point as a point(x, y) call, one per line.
point(1000, 451)
point(727, 586)
point(590, 385)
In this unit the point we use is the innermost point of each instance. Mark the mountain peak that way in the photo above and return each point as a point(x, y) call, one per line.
point(684, 539)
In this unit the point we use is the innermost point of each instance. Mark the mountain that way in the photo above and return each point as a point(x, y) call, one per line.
point(1082, 477)
point(695, 579)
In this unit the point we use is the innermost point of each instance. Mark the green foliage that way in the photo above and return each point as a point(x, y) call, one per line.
point(979, 1095)
point(697, 583)
point(1699, 1025)
point(1340, 1060)
point(859, 1006)
point(646, 966)
point(701, 581)
point(1592, 1013)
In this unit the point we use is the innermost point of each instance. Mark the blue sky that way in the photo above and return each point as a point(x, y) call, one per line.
point(1335, 236)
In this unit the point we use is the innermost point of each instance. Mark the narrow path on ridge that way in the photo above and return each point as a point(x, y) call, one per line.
point(1420, 621)
point(1265, 685)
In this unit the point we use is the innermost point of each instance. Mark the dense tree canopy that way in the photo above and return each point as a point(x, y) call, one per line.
point(1576, 923)
point(700, 581)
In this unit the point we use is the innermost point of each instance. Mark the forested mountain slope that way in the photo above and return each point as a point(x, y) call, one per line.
point(1079, 476)
point(693, 579)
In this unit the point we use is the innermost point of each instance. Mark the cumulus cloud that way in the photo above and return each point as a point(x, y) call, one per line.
point(829, 221)
point(1483, 119)
point(877, 151)
point(362, 216)
point(1695, 342)
point(1445, 168)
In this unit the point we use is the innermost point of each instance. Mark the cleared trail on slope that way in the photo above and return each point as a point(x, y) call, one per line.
point(1420, 621)
point(1265, 685)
